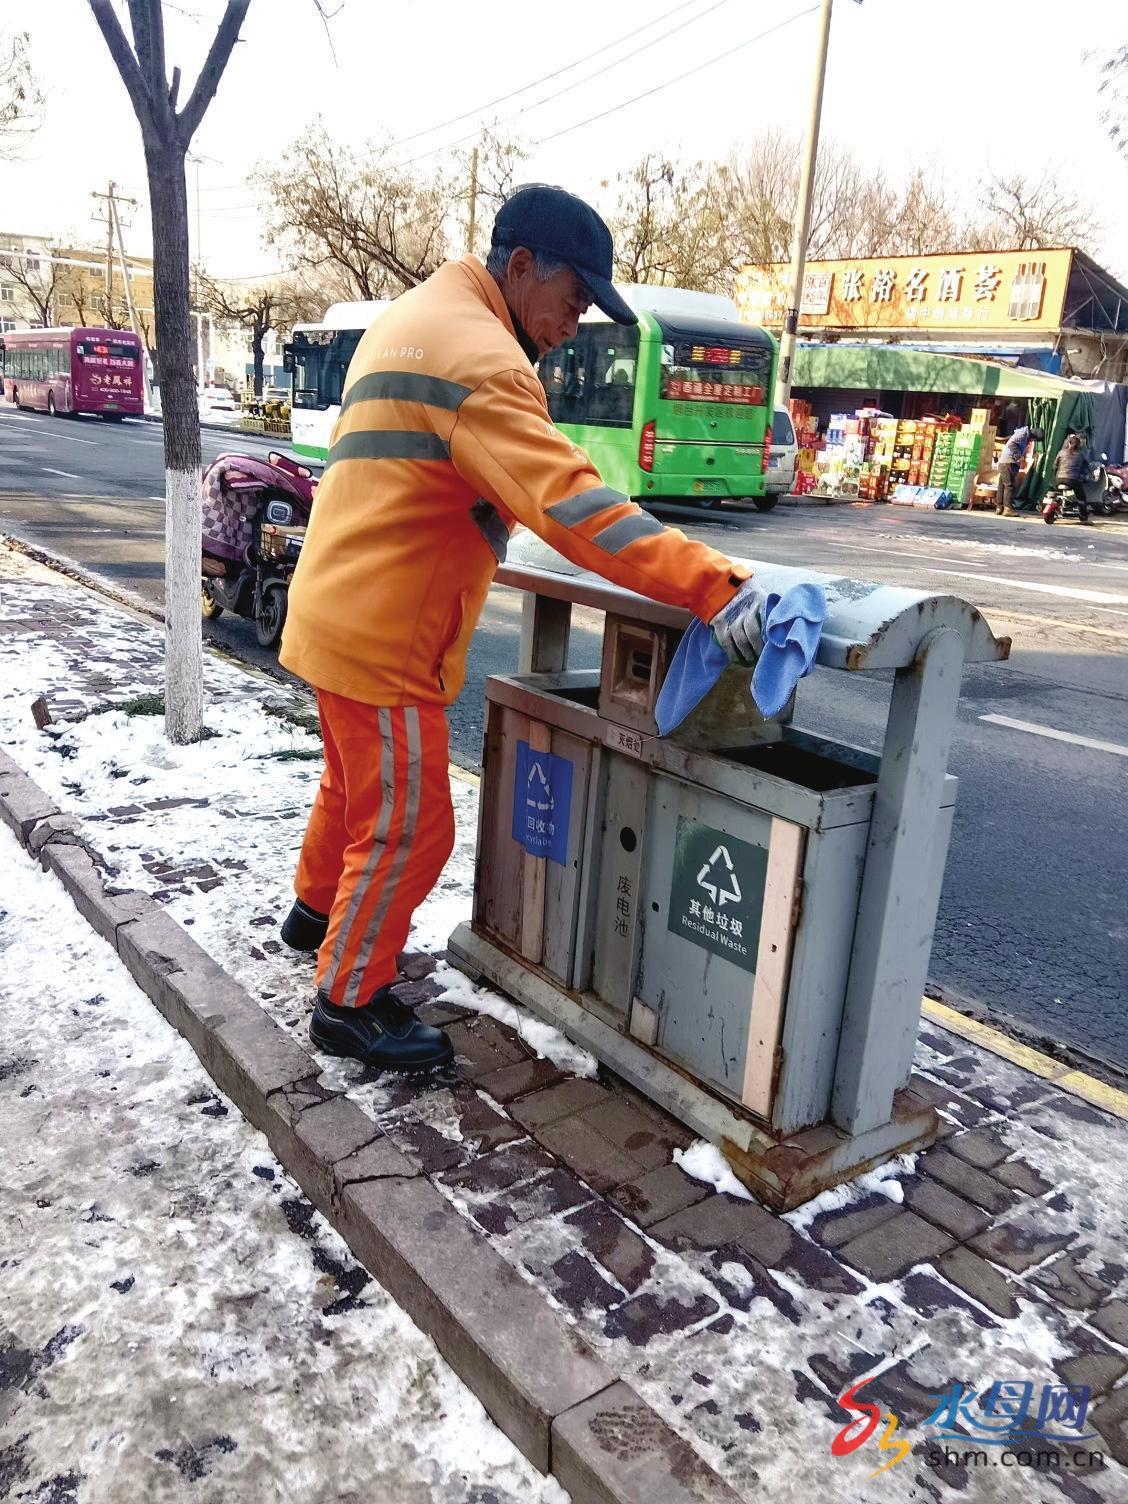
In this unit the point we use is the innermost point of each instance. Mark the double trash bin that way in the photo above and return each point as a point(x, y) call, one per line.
point(736, 918)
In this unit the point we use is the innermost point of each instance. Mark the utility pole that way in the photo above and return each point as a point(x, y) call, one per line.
point(134, 321)
point(472, 225)
point(109, 198)
point(802, 225)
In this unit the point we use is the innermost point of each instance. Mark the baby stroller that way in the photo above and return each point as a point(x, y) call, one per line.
point(255, 513)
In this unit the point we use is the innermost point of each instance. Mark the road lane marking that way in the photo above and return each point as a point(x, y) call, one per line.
point(69, 474)
point(1078, 1083)
point(1058, 736)
point(1001, 614)
point(1096, 596)
point(70, 438)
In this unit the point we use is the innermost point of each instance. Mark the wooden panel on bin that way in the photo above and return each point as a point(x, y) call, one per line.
point(533, 874)
point(562, 881)
point(773, 963)
point(504, 873)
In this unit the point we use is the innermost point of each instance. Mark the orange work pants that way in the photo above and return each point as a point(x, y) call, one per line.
point(379, 834)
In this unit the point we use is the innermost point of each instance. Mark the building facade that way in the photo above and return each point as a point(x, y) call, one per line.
point(1051, 310)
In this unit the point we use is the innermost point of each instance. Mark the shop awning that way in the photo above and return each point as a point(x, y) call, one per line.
point(893, 368)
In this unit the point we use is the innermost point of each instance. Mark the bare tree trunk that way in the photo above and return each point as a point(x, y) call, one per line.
point(184, 691)
point(257, 333)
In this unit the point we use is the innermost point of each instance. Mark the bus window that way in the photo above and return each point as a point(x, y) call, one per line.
point(591, 379)
point(611, 387)
point(320, 364)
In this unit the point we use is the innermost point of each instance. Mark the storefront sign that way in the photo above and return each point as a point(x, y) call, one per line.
point(974, 290)
point(717, 892)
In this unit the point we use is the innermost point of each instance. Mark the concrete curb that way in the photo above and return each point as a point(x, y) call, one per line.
point(537, 1378)
point(283, 439)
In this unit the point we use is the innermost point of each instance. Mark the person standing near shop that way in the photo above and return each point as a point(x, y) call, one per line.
point(443, 446)
point(1009, 463)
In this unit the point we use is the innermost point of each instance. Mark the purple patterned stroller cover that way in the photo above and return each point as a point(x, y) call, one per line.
point(234, 487)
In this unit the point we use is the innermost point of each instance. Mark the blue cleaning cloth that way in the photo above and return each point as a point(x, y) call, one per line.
point(793, 625)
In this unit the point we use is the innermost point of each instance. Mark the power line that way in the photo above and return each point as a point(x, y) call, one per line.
point(547, 78)
point(677, 79)
point(577, 83)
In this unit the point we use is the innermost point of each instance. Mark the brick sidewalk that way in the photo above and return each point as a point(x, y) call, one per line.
point(999, 1254)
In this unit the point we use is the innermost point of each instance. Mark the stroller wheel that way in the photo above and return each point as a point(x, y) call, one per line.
point(269, 624)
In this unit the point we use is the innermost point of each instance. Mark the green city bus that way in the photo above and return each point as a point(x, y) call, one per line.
point(678, 407)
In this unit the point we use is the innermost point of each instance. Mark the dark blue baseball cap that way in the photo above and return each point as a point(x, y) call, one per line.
point(561, 227)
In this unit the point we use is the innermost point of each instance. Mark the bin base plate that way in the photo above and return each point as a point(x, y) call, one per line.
point(783, 1169)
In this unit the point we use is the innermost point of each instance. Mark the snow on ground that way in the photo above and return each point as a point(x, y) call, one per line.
point(758, 1338)
point(176, 1321)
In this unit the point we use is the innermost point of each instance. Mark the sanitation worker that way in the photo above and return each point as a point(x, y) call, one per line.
point(443, 446)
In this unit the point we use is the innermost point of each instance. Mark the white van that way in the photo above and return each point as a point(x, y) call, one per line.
point(784, 456)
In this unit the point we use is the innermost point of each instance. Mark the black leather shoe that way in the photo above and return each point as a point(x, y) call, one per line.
point(384, 1035)
point(304, 928)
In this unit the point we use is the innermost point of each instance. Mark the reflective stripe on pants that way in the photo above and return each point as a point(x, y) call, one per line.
point(379, 834)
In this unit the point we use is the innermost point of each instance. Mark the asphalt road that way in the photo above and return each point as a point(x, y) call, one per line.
point(1034, 916)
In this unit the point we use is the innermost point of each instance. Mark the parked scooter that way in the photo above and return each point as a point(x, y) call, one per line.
point(1062, 501)
point(255, 513)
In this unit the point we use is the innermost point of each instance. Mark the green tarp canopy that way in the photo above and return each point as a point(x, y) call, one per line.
point(1056, 404)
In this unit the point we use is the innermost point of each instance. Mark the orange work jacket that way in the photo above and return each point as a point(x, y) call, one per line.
point(443, 446)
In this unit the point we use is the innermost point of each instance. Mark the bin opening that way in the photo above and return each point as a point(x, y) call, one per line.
point(585, 694)
point(783, 760)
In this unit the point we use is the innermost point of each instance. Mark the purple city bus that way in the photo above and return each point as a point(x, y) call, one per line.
point(74, 371)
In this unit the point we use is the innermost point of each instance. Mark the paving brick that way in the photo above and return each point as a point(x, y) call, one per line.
point(984, 1283)
point(501, 1170)
point(415, 964)
point(22, 803)
point(441, 1015)
point(927, 1295)
point(644, 1134)
point(519, 1079)
point(79, 875)
point(1017, 1248)
point(741, 1280)
point(1020, 1176)
point(1111, 1420)
point(818, 1269)
point(982, 1147)
point(608, 1239)
point(481, 1045)
point(557, 1102)
point(895, 1246)
point(577, 1283)
point(935, 1202)
point(586, 1152)
point(974, 1185)
point(833, 1229)
point(614, 1448)
point(1068, 1285)
point(659, 1194)
point(1098, 1365)
point(496, 1331)
point(722, 1219)
point(547, 1195)
point(1112, 1319)
point(657, 1314)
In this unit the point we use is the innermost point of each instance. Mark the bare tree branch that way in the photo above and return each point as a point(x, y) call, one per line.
point(210, 74)
point(125, 62)
point(21, 100)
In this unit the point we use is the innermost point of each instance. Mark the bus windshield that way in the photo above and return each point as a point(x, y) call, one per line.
point(321, 361)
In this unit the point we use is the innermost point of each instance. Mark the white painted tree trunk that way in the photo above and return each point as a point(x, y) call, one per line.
point(184, 655)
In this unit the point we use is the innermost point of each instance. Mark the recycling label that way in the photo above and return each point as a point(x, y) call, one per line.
point(717, 892)
point(542, 802)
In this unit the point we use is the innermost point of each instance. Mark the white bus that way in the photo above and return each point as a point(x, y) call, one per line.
point(317, 358)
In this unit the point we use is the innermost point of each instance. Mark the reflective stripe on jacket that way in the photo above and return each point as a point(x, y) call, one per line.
point(443, 446)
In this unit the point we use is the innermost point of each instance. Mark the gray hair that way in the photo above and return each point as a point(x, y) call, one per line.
point(498, 261)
